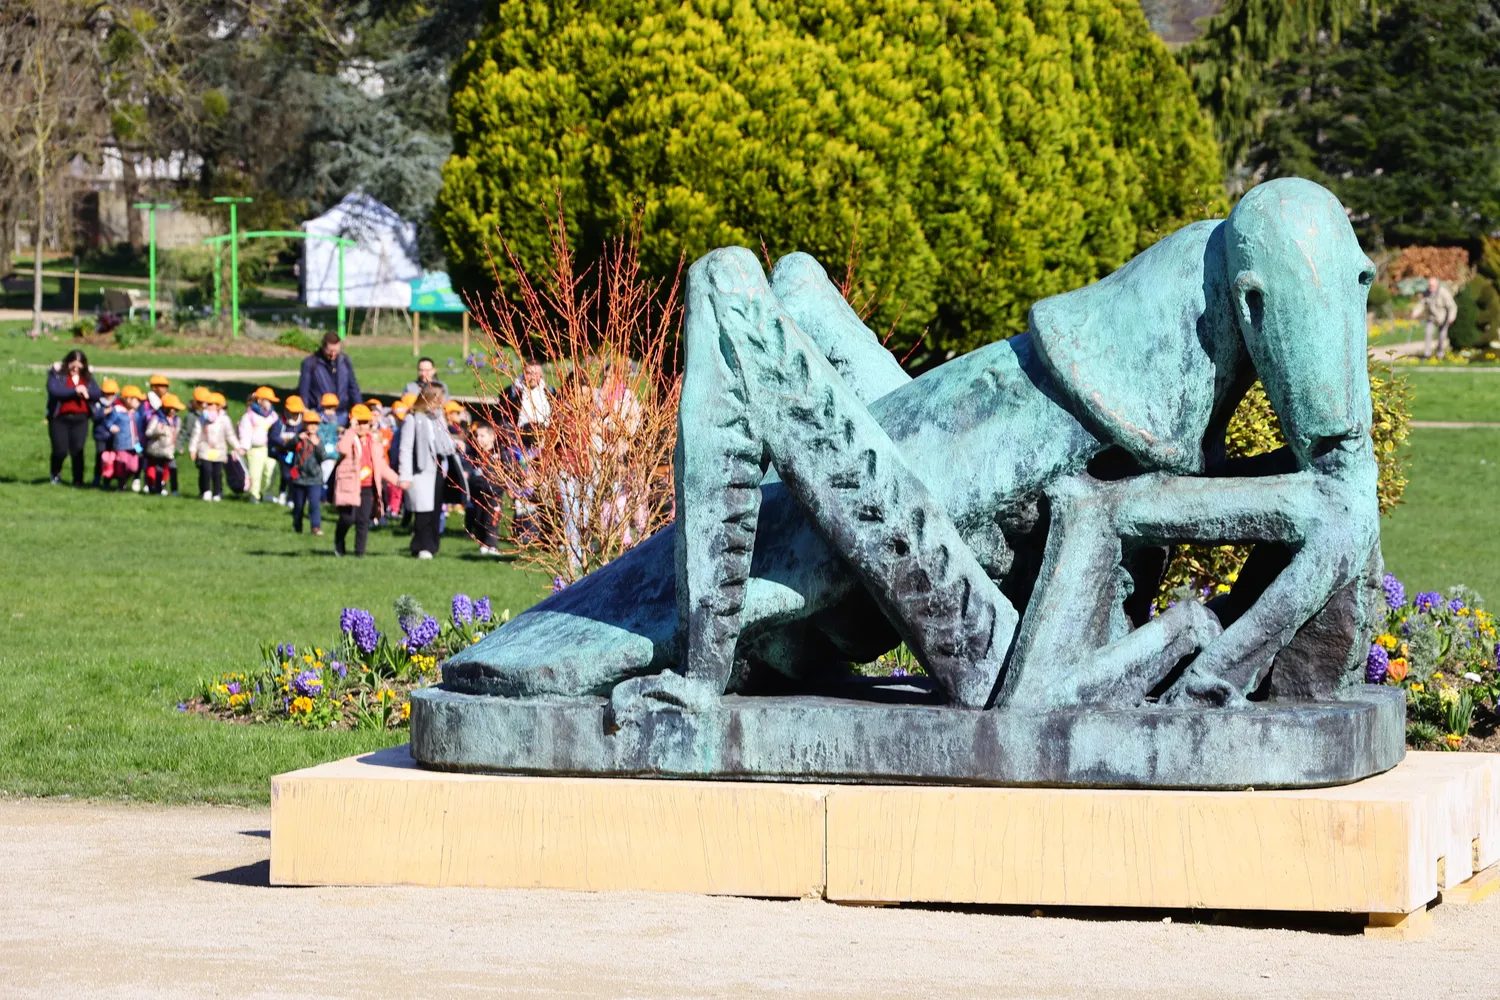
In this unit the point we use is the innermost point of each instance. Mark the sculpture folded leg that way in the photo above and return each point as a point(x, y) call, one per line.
point(757, 391)
point(1071, 652)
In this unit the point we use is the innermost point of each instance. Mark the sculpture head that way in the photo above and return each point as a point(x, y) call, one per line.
point(1299, 282)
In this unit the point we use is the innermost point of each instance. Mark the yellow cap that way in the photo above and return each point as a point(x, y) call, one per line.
point(329, 399)
point(267, 393)
point(294, 404)
point(217, 398)
point(373, 402)
point(132, 392)
point(201, 394)
point(158, 380)
point(109, 385)
point(452, 407)
point(311, 417)
point(408, 400)
point(359, 411)
point(171, 402)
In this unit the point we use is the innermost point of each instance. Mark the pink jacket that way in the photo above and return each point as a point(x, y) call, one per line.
point(346, 482)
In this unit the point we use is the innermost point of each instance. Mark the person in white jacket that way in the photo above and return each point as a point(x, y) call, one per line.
point(255, 437)
point(212, 442)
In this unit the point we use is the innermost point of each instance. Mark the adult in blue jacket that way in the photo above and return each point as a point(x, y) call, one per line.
point(328, 369)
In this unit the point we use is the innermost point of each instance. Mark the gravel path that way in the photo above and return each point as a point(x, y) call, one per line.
point(131, 901)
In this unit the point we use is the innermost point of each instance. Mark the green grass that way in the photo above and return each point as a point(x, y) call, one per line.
point(382, 369)
point(1444, 533)
point(116, 604)
point(1453, 394)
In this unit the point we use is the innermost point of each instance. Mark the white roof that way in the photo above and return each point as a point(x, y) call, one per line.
point(377, 272)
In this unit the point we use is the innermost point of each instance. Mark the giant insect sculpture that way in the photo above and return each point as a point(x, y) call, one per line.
point(1007, 514)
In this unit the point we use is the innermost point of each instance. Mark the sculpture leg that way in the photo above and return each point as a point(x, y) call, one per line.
point(1328, 519)
point(757, 388)
point(1075, 646)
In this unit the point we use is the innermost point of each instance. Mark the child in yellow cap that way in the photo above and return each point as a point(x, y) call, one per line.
point(361, 471)
point(212, 442)
point(255, 437)
point(122, 461)
point(305, 469)
point(99, 411)
point(328, 431)
point(162, 430)
point(284, 436)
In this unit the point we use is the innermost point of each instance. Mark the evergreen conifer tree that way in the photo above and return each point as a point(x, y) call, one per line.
point(987, 152)
point(1399, 117)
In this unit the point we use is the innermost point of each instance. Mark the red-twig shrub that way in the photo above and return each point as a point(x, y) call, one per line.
point(596, 478)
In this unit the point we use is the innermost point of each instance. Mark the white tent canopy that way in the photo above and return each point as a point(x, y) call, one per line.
point(377, 271)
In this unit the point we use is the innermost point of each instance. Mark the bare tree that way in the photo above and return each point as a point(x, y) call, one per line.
point(49, 105)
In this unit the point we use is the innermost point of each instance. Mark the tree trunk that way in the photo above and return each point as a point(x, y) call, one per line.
point(7, 233)
point(38, 229)
point(132, 186)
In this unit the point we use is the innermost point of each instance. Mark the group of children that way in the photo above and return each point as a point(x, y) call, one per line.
point(136, 435)
point(291, 457)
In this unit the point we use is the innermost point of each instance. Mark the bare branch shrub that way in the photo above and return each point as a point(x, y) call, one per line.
point(596, 478)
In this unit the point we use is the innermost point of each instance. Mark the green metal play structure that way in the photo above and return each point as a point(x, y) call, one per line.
point(234, 236)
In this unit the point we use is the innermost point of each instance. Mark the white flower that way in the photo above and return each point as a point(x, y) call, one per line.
point(1472, 676)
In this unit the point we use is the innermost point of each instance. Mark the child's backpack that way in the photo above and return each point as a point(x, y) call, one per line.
point(307, 462)
point(329, 434)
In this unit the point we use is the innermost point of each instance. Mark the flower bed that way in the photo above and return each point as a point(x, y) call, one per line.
point(363, 680)
point(1443, 651)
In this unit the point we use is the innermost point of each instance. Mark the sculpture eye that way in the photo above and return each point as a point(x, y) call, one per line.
point(1367, 277)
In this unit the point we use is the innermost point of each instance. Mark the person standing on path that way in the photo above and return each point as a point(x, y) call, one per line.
point(1440, 309)
point(257, 427)
point(328, 370)
point(361, 469)
point(426, 454)
point(70, 392)
point(426, 375)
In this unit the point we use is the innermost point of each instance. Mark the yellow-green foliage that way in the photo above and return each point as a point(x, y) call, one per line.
point(1254, 430)
point(988, 152)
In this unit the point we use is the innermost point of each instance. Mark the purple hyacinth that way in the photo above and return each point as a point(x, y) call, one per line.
point(1456, 605)
point(1427, 601)
point(421, 634)
point(362, 628)
point(463, 609)
point(347, 618)
point(559, 585)
point(482, 609)
point(1395, 593)
point(1376, 665)
point(286, 651)
point(308, 684)
point(339, 668)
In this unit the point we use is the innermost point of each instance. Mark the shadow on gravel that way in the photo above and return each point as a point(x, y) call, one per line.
point(1336, 924)
point(256, 875)
point(262, 834)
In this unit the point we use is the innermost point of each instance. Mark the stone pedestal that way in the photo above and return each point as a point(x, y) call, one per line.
point(891, 732)
point(1388, 845)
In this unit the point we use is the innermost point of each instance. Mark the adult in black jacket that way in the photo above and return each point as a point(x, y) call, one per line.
point(328, 369)
point(70, 392)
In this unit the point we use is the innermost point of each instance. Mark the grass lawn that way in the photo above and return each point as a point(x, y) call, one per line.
point(383, 368)
point(116, 604)
point(1455, 394)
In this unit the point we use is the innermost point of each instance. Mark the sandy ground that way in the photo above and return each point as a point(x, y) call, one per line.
point(125, 901)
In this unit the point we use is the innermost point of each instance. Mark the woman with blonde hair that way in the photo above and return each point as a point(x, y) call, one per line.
point(426, 454)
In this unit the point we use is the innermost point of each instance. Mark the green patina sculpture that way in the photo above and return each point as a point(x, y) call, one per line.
point(829, 507)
